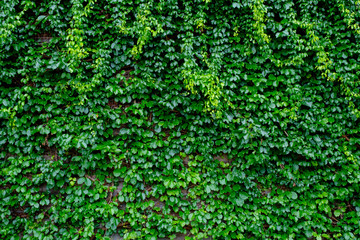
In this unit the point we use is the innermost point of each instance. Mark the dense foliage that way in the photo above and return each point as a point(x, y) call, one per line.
point(170, 119)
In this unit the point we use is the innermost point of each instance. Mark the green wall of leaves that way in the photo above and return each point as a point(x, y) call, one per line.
point(173, 119)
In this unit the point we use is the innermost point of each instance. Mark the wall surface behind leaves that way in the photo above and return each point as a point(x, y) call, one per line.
point(179, 119)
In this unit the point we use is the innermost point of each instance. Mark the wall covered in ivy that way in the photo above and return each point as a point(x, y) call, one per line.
point(173, 119)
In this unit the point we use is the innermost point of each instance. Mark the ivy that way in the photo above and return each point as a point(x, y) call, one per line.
point(179, 119)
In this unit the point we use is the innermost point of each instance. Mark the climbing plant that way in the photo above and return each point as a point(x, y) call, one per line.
point(179, 119)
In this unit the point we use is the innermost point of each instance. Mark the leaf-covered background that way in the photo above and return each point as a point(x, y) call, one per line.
point(172, 119)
